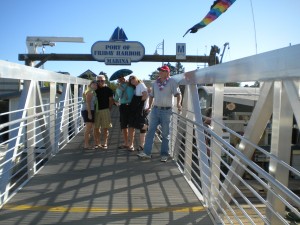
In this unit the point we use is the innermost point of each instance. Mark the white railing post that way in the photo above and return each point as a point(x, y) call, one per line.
point(52, 117)
point(282, 123)
point(200, 141)
point(187, 134)
point(173, 134)
point(15, 135)
point(31, 129)
point(217, 114)
point(62, 117)
point(75, 108)
point(292, 88)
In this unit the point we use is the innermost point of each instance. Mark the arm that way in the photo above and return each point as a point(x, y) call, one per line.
point(89, 97)
point(151, 97)
point(144, 95)
point(110, 98)
point(150, 103)
point(144, 91)
point(111, 102)
point(177, 94)
point(179, 97)
point(116, 97)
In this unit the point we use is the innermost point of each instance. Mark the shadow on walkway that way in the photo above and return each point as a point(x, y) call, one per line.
point(108, 186)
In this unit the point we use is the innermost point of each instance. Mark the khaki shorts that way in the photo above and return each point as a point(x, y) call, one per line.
point(103, 119)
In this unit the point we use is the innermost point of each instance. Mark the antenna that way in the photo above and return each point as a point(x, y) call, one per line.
point(254, 27)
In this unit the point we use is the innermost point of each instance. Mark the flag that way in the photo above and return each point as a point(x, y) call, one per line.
point(217, 8)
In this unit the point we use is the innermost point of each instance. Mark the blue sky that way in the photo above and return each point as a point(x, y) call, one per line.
point(149, 22)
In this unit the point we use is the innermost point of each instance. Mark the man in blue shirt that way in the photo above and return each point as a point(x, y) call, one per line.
point(122, 97)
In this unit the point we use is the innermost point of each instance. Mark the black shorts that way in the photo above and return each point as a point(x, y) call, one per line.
point(138, 120)
point(85, 117)
point(124, 115)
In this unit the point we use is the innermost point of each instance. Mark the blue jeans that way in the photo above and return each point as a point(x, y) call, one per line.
point(158, 117)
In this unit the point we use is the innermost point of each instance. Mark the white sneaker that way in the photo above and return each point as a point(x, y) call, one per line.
point(142, 155)
point(164, 159)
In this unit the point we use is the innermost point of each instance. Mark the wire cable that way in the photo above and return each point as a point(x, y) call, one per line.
point(254, 26)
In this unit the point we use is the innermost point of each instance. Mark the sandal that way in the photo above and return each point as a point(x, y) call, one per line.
point(104, 146)
point(88, 148)
point(131, 149)
point(140, 149)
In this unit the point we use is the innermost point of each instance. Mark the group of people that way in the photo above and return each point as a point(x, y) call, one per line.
point(135, 102)
point(96, 106)
point(132, 98)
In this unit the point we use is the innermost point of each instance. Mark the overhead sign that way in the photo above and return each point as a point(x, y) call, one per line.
point(118, 53)
point(180, 51)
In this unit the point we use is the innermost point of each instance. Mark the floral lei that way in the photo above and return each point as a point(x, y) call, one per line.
point(161, 84)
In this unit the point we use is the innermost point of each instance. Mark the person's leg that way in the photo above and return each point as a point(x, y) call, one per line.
point(125, 136)
point(97, 128)
point(143, 131)
point(105, 124)
point(124, 124)
point(105, 136)
point(154, 122)
point(88, 127)
point(131, 137)
point(92, 133)
point(142, 137)
point(97, 136)
point(165, 131)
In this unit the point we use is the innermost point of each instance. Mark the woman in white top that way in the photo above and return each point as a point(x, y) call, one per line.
point(138, 116)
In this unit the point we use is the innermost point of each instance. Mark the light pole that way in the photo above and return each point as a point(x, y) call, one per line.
point(161, 46)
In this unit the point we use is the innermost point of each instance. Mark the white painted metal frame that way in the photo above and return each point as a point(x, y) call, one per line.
point(279, 74)
point(31, 116)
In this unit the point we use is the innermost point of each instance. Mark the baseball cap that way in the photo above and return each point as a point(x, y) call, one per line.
point(164, 68)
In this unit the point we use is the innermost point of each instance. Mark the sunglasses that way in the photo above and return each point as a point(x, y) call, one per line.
point(99, 81)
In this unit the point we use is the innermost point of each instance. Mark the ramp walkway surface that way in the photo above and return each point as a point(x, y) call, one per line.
point(110, 186)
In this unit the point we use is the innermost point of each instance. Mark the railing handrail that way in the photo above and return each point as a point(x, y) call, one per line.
point(16, 71)
point(280, 64)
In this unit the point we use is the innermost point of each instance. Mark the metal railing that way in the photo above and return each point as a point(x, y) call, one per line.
point(243, 181)
point(40, 122)
point(248, 203)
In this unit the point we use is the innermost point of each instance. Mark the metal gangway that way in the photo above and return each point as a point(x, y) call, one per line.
point(232, 187)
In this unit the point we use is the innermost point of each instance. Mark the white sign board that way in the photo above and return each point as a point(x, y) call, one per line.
point(118, 53)
point(180, 51)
